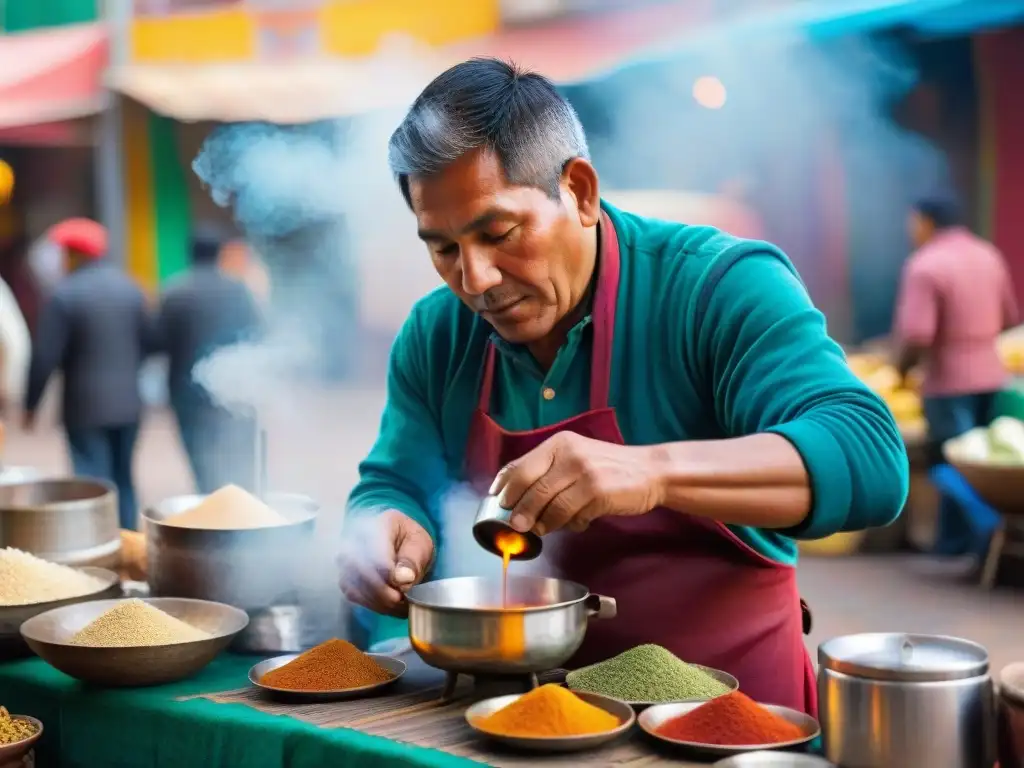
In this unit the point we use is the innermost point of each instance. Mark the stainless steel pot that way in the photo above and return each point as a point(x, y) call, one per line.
point(72, 521)
point(459, 625)
point(261, 570)
point(892, 699)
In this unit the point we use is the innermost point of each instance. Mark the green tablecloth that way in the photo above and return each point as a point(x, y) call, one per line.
point(150, 728)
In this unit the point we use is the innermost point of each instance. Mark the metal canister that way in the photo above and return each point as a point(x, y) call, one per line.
point(894, 699)
point(491, 520)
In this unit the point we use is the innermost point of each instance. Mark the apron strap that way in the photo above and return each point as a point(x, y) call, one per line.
point(605, 302)
point(606, 298)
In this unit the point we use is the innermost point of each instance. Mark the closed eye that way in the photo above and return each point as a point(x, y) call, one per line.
point(495, 239)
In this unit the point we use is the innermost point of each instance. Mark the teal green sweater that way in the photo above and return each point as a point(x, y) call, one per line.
point(715, 337)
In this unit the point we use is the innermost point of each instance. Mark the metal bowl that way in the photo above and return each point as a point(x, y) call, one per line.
point(13, 616)
point(653, 718)
point(723, 677)
point(619, 709)
point(48, 634)
point(773, 760)
point(71, 521)
point(11, 754)
point(458, 625)
point(260, 570)
point(395, 666)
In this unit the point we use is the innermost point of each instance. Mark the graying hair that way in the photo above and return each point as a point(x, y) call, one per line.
point(491, 104)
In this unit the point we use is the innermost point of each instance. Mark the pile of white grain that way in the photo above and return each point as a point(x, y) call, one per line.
point(27, 579)
point(229, 509)
point(133, 623)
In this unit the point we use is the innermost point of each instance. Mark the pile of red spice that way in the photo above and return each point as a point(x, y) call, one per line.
point(730, 721)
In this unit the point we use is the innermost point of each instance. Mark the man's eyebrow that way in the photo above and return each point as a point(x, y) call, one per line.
point(480, 222)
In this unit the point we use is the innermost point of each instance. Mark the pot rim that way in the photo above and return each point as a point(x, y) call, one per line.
point(867, 671)
point(69, 505)
point(587, 594)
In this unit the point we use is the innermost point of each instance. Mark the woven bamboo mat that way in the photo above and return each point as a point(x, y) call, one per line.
point(418, 717)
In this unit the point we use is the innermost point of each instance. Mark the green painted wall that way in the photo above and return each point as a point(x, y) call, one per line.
point(22, 15)
point(173, 215)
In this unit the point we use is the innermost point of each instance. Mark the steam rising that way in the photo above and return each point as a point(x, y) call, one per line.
point(318, 203)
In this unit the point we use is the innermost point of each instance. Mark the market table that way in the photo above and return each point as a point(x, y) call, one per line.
point(217, 719)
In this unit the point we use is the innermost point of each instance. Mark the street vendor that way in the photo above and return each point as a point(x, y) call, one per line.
point(664, 395)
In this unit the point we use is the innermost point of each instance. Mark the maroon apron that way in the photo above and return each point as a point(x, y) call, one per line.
point(683, 582)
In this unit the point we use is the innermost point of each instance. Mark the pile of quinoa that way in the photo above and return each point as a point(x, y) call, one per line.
point(26, 579)
point(133, 623)
point(647, 673)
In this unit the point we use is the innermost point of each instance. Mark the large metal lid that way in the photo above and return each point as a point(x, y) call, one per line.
point(903, 657)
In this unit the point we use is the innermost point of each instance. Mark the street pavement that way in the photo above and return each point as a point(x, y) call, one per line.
point(318, 437)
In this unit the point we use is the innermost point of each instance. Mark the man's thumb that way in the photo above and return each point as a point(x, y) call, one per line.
point(412, 559)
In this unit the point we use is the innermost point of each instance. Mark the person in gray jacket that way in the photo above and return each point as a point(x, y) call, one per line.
point(202, 311)
point(96, 330)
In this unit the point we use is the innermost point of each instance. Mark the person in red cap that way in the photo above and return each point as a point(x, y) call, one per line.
point(94, 328)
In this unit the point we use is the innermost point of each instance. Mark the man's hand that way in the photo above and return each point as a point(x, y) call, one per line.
point(381, 558)
point(28, 421)
point(569, 481)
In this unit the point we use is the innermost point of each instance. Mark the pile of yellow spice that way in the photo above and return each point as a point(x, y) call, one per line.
point(12, 729)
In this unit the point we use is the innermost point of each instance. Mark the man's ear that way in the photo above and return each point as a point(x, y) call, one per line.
point(579, 179)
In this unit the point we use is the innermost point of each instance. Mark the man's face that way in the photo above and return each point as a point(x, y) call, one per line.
point(512, 254)
point(920, 228)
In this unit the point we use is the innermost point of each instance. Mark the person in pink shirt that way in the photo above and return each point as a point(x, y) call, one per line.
point(955, 298)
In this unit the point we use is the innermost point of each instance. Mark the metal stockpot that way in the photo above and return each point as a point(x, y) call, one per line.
point(458, 625)
point(72, 521)
point(261, 570)
point(892, 699)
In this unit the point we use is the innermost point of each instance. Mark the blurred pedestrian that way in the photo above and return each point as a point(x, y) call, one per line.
point(205, 310)
point(15, 349)
point(955, 298)
point(94, 328)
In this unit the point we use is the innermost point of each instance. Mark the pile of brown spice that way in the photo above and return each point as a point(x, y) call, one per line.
point(336, 665)
point(12, 729)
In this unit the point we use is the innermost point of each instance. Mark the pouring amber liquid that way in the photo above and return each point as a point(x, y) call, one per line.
point(511, 639)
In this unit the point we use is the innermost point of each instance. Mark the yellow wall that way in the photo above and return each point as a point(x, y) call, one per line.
point(140, 216)
point(348, 28)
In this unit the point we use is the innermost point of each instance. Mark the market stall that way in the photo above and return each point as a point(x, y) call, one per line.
point(121, 679)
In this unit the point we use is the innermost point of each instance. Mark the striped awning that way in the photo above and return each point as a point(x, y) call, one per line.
point(51, 76)
point(568, 51)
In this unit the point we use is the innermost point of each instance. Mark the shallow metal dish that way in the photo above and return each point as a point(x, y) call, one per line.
point(653, 718)
point(619, 709)
point(12, 617)
point(458, 625)
point(395, 666)
point(723, 677)
point(11, 753)
point(773, 760)
point(48, 634)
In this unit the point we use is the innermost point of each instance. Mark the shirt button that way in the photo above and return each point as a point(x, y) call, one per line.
point(548, 393)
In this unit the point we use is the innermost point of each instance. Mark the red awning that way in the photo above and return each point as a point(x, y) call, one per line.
point(53, 75)
point(568, 50)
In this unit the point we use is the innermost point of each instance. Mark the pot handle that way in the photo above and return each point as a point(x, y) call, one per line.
point(600, 607)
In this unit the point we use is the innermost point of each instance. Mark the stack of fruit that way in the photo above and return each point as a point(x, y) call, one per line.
point(902, 397)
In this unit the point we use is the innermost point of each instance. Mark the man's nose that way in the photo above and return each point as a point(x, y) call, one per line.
point(479, 274)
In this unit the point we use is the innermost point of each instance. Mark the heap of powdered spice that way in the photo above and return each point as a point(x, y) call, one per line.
point(548, 711)
point(730, 721)
point(335, 665)
point(647, 673)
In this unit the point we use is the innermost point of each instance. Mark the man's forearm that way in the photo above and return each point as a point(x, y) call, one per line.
point(759, 480)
